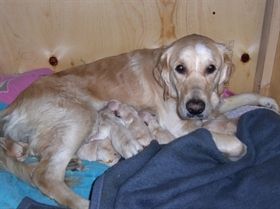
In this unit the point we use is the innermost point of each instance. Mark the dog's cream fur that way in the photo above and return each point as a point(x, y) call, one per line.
point(58, 113)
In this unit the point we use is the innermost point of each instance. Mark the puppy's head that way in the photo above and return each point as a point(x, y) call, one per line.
point(125, 113)
point(193, 70)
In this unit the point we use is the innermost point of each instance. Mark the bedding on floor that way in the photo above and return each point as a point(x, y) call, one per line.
point(12, 85)
point(14, 190)
point(190, 173)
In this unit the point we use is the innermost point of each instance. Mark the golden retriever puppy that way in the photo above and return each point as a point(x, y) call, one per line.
point(99, 150)
point(163, 136)
point(120, 123)
point(129, 117)
point(114, 120)
point(56, 115)
point(117, 125)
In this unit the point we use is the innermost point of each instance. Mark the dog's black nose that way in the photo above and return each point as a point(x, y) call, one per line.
point(195, 106)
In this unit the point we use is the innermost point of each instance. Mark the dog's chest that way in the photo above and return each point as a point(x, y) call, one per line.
point(170, 120)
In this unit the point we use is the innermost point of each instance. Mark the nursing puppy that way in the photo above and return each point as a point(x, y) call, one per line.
point(119, 123)
point(56, 115)
point(163, 136)
point(99, 150)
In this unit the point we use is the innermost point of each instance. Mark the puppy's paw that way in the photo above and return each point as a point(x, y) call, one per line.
point(130, 148)
point(107, 154)
point(145, 139)
point(109, 159)
point(269, 103)
point(112, 160)
point(163, 136)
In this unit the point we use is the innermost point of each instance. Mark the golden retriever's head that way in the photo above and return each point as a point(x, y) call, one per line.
point(193, 70)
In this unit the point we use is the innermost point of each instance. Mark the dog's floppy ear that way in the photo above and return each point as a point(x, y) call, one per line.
point(227, 68)
point(162, 75)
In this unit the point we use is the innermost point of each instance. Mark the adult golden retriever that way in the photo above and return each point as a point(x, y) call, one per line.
point(181, 83)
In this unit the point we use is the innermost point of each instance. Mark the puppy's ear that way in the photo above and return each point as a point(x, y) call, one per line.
point(114, 105)
point(228, 67)
point(146, 116)
point(161, 74)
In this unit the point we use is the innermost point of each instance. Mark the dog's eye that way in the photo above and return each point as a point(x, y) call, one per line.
point(180, 69)
point(210, 69)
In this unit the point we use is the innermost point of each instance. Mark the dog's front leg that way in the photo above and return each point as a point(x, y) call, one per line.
point(239, 100)
point(229, 145)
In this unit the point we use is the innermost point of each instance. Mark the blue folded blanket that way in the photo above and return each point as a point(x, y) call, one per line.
point(13, 190)
point(190, 173)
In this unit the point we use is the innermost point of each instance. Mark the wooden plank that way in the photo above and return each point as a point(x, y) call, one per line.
point(274, 90)
point(78, 31)
point(270, 34)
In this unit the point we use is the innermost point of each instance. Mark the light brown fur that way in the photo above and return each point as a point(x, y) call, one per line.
point(57, 114)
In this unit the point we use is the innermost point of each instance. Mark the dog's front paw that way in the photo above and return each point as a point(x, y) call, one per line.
point(230, 146)
point(236, 152)
point(269, 103)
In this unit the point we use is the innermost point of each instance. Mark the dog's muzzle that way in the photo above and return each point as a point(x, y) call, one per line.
point(195, 107)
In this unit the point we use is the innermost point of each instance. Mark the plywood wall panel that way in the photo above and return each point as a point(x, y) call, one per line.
point(81, 31)
point(234, 22)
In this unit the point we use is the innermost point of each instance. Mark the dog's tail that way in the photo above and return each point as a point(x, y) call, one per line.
point(3, 113)
point(20, 169)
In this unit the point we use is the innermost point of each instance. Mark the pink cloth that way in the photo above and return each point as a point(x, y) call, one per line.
point(12, 85)
point(227, 93)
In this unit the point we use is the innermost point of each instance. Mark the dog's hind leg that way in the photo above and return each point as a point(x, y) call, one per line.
point(48, 175)
point(16, 167)
point(56, 146)
point(239, 100)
